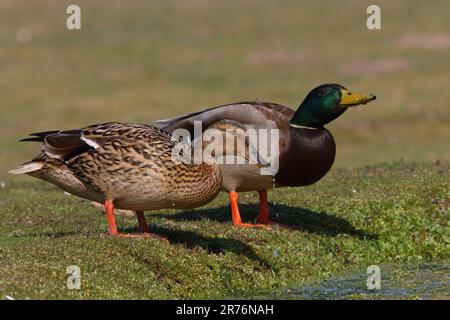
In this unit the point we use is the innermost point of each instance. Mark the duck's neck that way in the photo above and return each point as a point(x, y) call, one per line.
point(293, 125)
point(306, 118)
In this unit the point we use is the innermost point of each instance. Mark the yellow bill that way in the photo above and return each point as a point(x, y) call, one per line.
point(351, 99)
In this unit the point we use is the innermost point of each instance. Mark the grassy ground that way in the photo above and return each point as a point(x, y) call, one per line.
point(381, 214)
point(149, 60)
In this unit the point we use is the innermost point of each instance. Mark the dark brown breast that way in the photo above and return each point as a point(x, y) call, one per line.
point(305, 156)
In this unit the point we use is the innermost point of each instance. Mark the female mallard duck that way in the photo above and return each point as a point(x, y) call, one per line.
point(306, 149)
point(127, 166)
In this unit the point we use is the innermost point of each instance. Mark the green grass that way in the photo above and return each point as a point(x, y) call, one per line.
point(148, 60)
point(384, 214)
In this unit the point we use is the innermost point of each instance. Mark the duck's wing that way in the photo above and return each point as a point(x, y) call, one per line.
point(250, 114)
point(60, 144)
point(68, 144)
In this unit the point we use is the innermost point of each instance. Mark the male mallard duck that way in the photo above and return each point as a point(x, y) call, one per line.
point(127, 166)
point(306, 149)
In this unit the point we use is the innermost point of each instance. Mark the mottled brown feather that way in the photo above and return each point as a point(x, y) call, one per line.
point(132, 165)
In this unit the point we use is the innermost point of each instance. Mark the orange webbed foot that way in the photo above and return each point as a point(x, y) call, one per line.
point(236, 216)
point(250, 225)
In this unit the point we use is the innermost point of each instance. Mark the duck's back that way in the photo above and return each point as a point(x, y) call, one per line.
point(248, 113)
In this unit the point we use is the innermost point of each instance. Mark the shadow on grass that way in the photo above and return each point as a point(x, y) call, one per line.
point(213, 245)
point(190, 239)
point(293, 217)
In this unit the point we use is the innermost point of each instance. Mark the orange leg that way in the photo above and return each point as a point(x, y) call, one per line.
point(112, 226)
point(236, 216)
point(263, 216)
point(109, 210)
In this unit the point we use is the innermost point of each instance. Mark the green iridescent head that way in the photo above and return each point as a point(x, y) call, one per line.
point(325, 103)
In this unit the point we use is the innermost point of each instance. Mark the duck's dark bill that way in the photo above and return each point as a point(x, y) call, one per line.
point(352, 99)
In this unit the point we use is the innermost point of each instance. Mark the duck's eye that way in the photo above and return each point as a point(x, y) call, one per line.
point(323, 91)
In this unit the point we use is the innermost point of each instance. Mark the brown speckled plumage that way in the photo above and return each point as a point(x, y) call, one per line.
point(128, 163)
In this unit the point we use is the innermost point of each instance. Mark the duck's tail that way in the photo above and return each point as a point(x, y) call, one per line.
point(27, 167)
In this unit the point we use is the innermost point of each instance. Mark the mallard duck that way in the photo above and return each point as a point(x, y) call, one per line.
point(306, 148)
point(125, 166)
